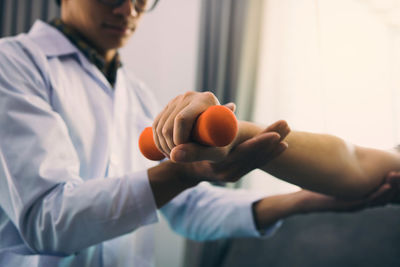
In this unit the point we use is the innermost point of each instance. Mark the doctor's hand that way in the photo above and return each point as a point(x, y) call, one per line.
point(386, 193)
point(273, 208)
point(392, 184)
point(249, 136)
point(249, 151)
point(269, 210)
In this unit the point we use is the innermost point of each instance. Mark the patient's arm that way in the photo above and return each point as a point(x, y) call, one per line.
point(317, 162)
point(329, 165)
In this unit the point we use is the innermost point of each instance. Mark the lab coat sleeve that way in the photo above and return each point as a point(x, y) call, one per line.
point(55, 210)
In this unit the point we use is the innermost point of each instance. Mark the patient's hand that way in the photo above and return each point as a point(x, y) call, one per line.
point(387, 193)
point(392, 182)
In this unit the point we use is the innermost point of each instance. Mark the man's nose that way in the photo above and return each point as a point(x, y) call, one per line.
point(127, 8)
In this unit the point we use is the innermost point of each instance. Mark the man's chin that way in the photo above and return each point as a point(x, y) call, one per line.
point(115, 44)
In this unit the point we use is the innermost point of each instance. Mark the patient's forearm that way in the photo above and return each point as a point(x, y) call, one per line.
point(329, 165)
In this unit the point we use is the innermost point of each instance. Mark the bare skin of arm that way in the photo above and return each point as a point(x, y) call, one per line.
point(318, 162)
point(169, 179)
point(328, 164)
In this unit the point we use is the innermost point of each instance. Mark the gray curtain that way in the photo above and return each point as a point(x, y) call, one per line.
point(228, 51)
point(17, 16)
point(228, 59)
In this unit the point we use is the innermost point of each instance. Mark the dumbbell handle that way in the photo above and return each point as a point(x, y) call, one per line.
point(217, 126)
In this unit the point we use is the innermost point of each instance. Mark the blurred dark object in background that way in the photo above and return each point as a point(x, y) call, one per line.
point(365, 239)
point(17, 16)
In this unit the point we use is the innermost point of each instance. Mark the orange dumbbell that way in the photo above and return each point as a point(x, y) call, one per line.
point(217, 126)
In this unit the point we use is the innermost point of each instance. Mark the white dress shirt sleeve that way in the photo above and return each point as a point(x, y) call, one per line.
point(208, 212)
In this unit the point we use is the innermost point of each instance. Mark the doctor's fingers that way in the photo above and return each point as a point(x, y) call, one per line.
point(159, 123)
point(385, 194)
point(394, 179)
point(266, 143)
point(191, 152)
point(251, 154)
point(281, 127)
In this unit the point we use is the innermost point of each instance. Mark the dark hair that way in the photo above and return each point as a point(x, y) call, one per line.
point(58, 2)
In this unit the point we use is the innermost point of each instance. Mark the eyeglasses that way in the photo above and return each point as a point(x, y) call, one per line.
point(140, 5)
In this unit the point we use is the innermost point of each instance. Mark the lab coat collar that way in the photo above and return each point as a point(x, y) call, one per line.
point(54, 43)
point(50, 40)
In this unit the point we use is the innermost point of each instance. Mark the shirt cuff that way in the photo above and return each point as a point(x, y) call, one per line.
point(247, 223)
